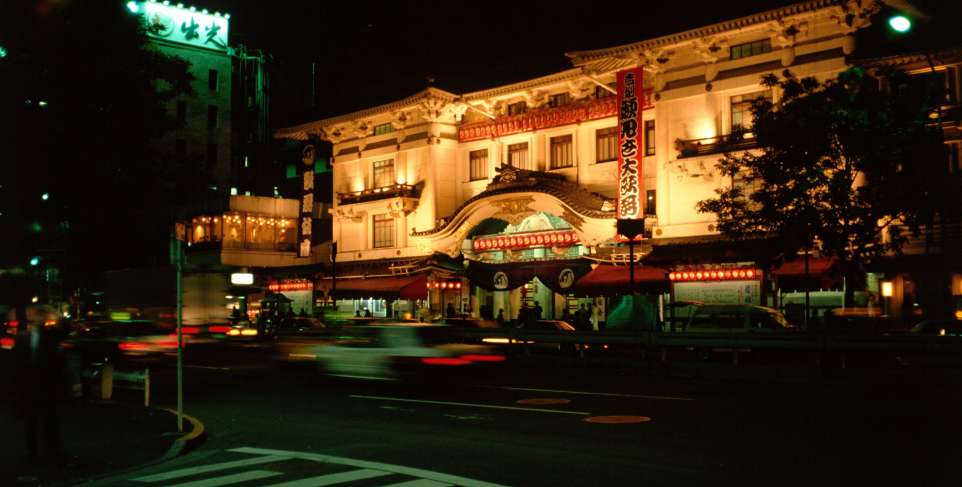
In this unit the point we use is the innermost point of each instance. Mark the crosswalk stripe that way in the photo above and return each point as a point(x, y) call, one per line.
point(230, 479)
point(186, 472)
point(419, 483)
point(334, 478)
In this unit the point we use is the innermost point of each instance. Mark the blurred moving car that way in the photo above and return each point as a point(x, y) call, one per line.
point(391, 352)
point(116, 341)
point(735, 318)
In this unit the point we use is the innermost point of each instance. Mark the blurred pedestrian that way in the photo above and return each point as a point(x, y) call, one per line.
point(40, 380)
point(538, 311)
point(501, 317)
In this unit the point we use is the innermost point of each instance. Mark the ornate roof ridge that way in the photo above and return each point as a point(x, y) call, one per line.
point(568, 74)
point(941, 56)
point(299, 131)
point(579, 58)
point(514, 180)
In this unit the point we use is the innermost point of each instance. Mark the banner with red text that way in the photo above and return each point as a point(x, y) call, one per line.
point(630, 96)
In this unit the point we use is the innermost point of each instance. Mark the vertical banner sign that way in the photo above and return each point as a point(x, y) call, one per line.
point(629, 144)
point(308, 155)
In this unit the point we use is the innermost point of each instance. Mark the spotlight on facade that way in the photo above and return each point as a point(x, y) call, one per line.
point(887, 289)
point(900, 23)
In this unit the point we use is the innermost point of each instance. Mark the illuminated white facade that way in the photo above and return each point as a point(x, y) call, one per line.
point(420, 175)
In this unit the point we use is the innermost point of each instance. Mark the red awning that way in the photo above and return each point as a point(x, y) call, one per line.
point(796, 268)
point(397, 287)
point(610, 280)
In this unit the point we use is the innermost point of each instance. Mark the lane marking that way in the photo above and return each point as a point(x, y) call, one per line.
point(230, 479)
point(399, 469)
point(419, 483)
point(206, 367)
point(543, 401)
point(334, 478)
point(607, 394)
point(467, 404)
point(617, 419)
point(186, 472)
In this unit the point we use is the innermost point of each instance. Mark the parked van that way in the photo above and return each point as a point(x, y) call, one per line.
point(736, 318)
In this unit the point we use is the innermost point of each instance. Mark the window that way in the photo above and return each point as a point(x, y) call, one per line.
point(211, 155)
point(939, 86)
point(384, 173)
point(558, 100)
point(384, 128)
point(649, 137)
point(182, 112)
point(212, 80)
point(517, 108)
point(561, 152)
point(650, 207)
point(606, 144)
point(211, 117)
point(518, 155)
point(383, 231)
point(751, 49)
point(180, 149)
point(478, 164)
point(742, 117)
point(601, 92)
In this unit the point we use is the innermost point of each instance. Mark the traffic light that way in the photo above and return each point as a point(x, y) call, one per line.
point(45, 196)
point(35, 261)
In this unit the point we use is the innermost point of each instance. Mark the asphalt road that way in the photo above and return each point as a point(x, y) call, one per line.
point(537, 425)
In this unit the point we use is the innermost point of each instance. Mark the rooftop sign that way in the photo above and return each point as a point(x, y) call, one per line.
point(184, 25)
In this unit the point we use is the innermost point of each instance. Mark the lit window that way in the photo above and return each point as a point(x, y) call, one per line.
point(383, 231)
point(650, 208)
point(751, 49)
point(517, 108)
point(478, 164)
point(518, 155)
point(606, 144)
point(649, 137)
point(559, 100)
point(384, 173)
point(561, 152)
point(742, 118)
point(383, 128)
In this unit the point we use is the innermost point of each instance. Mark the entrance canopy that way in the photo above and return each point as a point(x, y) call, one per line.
point(559, 275)
point(610, 280)
point(387, 287)
point(822, 274)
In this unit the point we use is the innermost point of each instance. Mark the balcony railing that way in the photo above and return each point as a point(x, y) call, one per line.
point(714, 145)
point(397, 190)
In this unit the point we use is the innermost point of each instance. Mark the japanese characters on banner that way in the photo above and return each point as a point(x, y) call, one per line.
point(307, 203)
point(184, 25)
point(629, 144)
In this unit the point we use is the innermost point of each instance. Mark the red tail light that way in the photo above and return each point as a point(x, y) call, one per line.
point(444, 361)
point(189, 330)
point(484, 358)
point(6, 343)
point(13, 323)
point(130, 346)
point(218, 329)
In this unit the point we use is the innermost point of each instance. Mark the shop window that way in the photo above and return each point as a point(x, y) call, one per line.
point(742, 118)
point(260, 232)
point(559, 100)
point(383, 231)
point(561, 152)
point(649, 137)
point(286, 232)
point(384, 173)
point(518, 155)
point(383, 128)
point(233, 230)
point(606, 144)
point(749, 49)
point(517, 108)
point(478, 164)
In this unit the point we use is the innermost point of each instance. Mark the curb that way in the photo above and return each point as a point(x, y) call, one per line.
point(188, 441)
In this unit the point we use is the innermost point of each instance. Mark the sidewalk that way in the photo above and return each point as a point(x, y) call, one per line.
point(98, 438)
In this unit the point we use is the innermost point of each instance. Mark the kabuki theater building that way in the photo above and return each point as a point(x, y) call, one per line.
point(497, 199)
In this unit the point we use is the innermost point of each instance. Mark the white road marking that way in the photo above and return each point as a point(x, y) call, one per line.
point(186, 472)
point(608, 394)
point(230, 479)
point(334, 478)
point(206, 367)
point(419, 483)
point(399, 469)
point(467, 404)
point(473, 417)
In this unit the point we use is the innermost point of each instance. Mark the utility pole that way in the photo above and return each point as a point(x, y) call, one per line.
point(179, 264)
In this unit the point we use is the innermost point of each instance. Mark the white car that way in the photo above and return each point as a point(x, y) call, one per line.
point(390, 352)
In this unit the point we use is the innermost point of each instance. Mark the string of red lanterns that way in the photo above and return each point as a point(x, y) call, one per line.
point(567, 237)
point(715, 274)
point(444, 285)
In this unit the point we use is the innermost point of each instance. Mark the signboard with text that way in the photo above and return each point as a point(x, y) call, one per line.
point(630, 98)
point(185, 25)
point(308, 156)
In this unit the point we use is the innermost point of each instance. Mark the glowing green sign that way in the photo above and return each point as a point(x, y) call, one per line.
point(184, 25)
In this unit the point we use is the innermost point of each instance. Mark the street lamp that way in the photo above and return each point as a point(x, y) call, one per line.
point(900, 23)
point(133, 7)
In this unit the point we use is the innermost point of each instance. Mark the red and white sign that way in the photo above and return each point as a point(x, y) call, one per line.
point(564, 238)
point(291, 285)
point(630, 100)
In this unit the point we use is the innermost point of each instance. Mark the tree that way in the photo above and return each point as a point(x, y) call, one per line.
point(85, 95)
point(842, 167)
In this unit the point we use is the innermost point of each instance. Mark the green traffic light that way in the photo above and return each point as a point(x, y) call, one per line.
point(900, 23)
point(35, 261)
point(45, 196)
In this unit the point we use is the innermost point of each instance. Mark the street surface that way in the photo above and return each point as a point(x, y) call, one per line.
point(554, 423)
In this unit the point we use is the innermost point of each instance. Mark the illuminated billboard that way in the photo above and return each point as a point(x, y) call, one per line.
point(184, 25)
